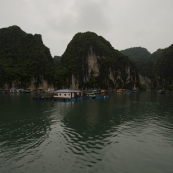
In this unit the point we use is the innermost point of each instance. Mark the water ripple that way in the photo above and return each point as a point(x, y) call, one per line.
point(95, 136)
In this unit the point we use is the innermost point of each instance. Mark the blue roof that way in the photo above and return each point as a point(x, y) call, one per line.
point(13, 89)
point(67, 91)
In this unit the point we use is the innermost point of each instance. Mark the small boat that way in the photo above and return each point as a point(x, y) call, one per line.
point(13, 90)
point(163, 91)
point(2, 91)
point(22, 90)
point(27, 91)
point(121, 90)
point(103, 91)
point(96, 91)
point(91, 94)
point(5, 91)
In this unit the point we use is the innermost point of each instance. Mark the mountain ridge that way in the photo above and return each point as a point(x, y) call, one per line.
point(88, 61)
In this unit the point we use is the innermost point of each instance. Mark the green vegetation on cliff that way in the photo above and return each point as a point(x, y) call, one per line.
point(144, 60)
point(23, 57)
point(57, 60)
point(140, 56)
point(164, 68)
point(88, 62)
point(137, 54)
point(109, 61)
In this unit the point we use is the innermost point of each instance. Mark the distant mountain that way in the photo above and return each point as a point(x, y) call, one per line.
point(23, 58)
point(91, 61)
point(137, 54)
point(144, 60)
point(152, 63)
point(140, 56)
point(156, 55)
point(57, 60)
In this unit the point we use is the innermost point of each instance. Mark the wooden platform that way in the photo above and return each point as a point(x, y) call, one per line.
point(69, 99)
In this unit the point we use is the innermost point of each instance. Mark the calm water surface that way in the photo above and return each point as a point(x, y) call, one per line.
point(126, 133)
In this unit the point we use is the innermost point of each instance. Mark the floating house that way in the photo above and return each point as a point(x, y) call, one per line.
point(14, 90)
point(66, 93)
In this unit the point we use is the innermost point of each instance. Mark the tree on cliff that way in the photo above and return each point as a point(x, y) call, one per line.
point(24, 57)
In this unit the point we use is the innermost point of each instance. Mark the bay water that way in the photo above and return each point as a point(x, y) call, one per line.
point(125, 133)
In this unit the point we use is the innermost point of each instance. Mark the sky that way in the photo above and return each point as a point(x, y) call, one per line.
point(124, 23)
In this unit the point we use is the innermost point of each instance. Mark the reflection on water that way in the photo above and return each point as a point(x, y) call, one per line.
point(24, 125)
point(134, 130)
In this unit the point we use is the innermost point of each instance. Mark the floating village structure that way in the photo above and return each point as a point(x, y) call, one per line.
point(67, 95)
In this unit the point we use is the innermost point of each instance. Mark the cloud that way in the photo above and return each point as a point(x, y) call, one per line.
point(92, 15)
point(125, 23)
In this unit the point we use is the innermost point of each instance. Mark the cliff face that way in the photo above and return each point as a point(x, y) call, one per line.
point(145, 82)
point(31, 85)
point(94, 63)
point(94, 75)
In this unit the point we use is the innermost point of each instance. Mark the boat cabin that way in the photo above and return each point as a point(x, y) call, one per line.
point(66, 93)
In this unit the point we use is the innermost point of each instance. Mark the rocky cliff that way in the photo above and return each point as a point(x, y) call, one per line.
point(23, 59)
point(94, 63)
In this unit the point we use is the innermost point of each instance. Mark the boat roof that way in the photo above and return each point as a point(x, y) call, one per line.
point(67, 91)
point(13, 88)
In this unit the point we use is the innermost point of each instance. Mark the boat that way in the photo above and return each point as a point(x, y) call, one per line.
point(13, 90)
point(49, 90)
point(5, 91)
point(2, 91)
point(27, 91)
point(22, 90)
point(91, 94)
point(121, 90)
point(163, 91)
point(96, 92)
point(103, 91)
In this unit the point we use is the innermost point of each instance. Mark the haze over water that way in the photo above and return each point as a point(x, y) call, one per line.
point(124, 133)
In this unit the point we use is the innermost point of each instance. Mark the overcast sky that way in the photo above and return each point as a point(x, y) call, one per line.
point(124, 23)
